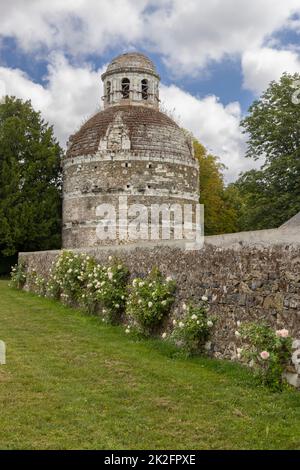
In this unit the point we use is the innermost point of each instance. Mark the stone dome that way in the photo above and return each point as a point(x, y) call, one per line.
point(131, 61)
point(148, 129)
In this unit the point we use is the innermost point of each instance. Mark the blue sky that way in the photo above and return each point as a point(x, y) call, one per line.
point(214, 59)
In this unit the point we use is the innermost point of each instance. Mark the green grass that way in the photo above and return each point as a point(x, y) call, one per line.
point(71, 382)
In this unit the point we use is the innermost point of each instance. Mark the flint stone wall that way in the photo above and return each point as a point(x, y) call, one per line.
point(242, 282)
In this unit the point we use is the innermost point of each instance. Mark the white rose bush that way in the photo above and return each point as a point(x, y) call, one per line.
point(149, 302)
point(69, 276)
point(18, 276)
point(194, 328)
point(111, 292)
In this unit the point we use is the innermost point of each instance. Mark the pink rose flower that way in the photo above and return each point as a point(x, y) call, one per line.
point(264, 355)
point(282, 333)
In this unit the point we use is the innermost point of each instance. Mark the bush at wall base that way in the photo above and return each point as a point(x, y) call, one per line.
point(267, 351)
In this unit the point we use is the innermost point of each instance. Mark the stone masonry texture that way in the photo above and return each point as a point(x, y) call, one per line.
point(241, 285)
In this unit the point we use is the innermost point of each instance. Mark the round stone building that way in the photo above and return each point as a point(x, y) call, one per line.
point(126, 160)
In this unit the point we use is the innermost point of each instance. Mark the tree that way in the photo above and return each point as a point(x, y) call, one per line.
point(272, 194)
point(220, 203)
point(30, 180)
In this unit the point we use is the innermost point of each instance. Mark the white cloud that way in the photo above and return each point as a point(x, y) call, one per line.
point(76, 26)
point(261, 66)
point(188, 34)
point(69, 95)
point(215, 125)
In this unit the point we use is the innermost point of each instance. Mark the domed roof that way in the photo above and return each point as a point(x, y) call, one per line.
point(148, 129)
point(131, 61)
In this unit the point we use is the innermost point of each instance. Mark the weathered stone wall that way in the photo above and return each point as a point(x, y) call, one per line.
point(242, 285)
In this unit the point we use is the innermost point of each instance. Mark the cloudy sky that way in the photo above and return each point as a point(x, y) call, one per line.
point(214, 57)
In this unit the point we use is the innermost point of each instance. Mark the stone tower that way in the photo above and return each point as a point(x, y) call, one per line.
point(129, 151)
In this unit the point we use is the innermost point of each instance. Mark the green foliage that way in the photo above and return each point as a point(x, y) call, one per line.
point(220, 205)
point(77, 279)
point(271, 195)
point(6, 262)
point(267, 351)
point(30, 180)
point(149, 302)
point(69, 276)
point(108, 290)
point(192, 332)
point(107, 391)
point(18, 275)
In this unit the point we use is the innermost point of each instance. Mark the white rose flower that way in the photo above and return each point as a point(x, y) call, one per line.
point(239, 353)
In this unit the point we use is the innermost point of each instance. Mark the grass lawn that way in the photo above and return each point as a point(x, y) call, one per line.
point(71, 382)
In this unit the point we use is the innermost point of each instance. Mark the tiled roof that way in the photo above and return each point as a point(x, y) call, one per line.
point(136, 118)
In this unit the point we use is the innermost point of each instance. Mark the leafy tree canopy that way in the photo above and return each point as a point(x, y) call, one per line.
point(271, 195)
point(220, 204)
point(30, 180)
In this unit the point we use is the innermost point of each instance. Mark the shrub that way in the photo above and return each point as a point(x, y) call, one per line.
point(106, 291)
point(267, 351)
point(192, 332)
point(69, 276)
point(149, 301)
point(37, 283)
point(78, 279)
point(18, 275)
